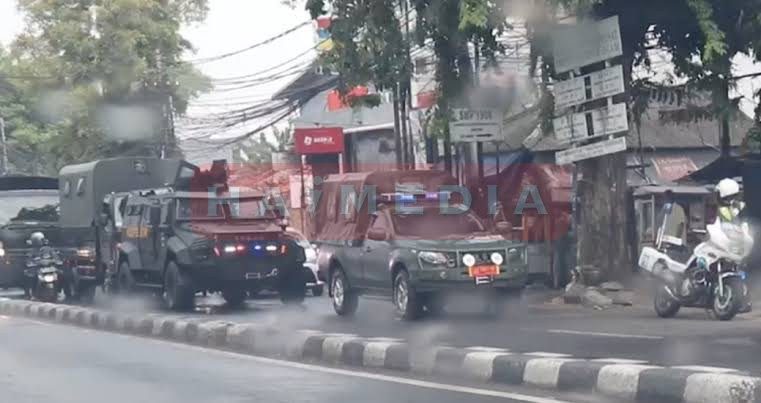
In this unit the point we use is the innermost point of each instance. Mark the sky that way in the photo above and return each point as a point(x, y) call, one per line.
point(231, 25)
point(234, 24)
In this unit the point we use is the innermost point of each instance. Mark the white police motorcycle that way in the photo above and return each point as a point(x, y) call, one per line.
point(712, 277)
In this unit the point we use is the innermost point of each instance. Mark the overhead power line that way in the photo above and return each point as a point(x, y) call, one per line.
point(254, 46)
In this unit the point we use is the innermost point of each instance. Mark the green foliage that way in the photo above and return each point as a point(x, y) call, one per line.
point(74, 68)
point(260, 149)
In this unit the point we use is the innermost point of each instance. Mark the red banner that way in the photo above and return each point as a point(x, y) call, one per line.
point(321, 140)
point(673, 168)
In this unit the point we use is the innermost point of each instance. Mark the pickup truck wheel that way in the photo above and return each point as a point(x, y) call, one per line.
point(345, 300)
point(179, 294)
point(293, 288)
point(235, 297)
point(406, 299)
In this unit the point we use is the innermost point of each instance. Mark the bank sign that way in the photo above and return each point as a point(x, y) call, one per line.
point(319, 140)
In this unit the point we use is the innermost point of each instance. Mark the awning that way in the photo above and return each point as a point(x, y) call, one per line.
point(720, 168)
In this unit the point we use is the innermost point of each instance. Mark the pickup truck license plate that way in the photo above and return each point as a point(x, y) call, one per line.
point(483, 271)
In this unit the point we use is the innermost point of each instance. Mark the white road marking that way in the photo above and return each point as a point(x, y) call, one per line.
point(335, 371)
point(619, 335)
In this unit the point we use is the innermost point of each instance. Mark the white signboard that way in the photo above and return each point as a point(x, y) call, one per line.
point(610, 120)
point(591, 87)
point(586, 43)
point(473, 125)
point(570, 127)
point(605, 121)
point(593, 150)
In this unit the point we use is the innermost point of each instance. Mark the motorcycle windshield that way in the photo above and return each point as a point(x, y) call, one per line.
point(733, 231)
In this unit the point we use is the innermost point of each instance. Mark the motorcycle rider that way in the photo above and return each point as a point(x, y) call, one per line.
point(38, 243)
point(730, 202)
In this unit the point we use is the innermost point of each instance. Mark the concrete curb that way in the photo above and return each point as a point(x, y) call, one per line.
point(625, 381)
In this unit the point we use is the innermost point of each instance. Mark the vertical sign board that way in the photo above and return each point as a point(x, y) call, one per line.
point(605, 121)
point(593, 150)
point(474, 125)
point(586, 43)
point(591, 87)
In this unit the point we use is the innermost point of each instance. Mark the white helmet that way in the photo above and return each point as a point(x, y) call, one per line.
point(728, 188)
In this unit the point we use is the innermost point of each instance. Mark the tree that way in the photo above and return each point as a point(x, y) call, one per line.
point(702, 37)
point(104, 72)
point(260, 150)
point(372, 47)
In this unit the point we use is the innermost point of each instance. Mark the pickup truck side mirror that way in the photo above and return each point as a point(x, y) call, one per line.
point(377, 234)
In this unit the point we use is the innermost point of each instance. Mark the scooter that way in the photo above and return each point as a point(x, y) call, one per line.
point(712, 277)
point(44, 276)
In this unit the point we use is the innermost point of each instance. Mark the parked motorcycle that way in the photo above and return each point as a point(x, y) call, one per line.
point(43, 274)
point(712, 277)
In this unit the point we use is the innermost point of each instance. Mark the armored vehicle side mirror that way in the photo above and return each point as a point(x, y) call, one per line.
point(504, 227)
point(377, 234)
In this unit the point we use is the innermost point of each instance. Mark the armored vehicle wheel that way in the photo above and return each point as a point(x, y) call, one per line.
point(293, 288)
point(345, 301)
point(179, 294)
point(86, 294)
point(406, 299)
point(235, 297)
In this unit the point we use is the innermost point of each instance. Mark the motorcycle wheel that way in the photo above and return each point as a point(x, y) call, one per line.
point(726, 306)
point(664, 304)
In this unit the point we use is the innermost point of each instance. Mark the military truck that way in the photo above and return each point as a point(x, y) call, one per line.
point(86, 192)
point(416, 243)
point(27, 204)
point(178, 241)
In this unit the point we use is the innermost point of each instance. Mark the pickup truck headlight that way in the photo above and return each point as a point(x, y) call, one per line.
point(86, 252)
point(436, 258)
point(497, 258)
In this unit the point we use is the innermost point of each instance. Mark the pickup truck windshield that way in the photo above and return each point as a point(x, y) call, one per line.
point(223, 209)
point(19, 206)
point(432, 224)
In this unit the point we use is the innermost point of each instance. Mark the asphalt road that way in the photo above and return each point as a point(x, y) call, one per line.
point(634, 333)
point(59, 364)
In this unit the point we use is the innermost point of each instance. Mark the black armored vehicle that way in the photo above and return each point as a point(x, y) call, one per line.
point(28, 204)
point(89, 223)
point(202, 236)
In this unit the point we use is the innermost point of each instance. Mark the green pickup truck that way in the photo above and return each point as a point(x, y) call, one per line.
point(413, 250)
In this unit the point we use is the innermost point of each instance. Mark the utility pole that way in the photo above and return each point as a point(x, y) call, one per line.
point(5, 146)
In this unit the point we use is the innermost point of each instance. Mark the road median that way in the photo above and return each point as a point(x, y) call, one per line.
point(624, 381)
